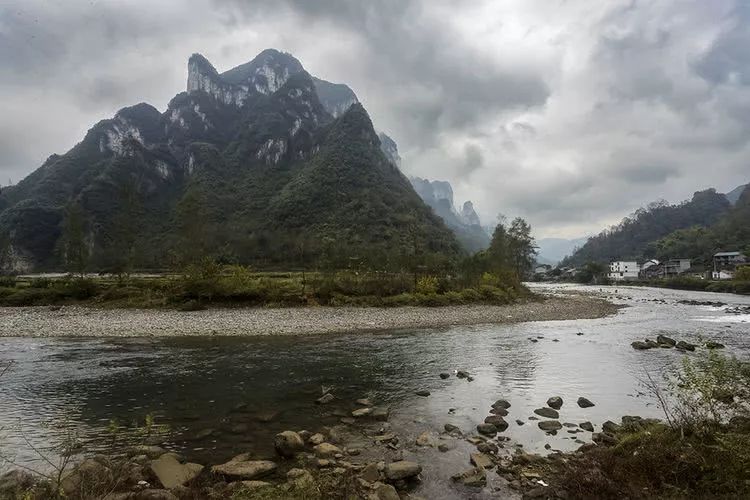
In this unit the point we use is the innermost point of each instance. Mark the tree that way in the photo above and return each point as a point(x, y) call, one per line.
point(75, 250)
point(5, 253)
point(522, 248)
point(192, 228)
point(122, 253)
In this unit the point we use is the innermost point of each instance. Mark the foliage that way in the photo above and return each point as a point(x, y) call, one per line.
point(74, 247)
point(592, 272)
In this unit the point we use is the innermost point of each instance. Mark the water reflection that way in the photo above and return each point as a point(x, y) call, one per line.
point(225, 395)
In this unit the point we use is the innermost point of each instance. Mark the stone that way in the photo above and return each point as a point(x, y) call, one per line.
point(316, 439)
point(171, 473)
point(403, 469)
point(555, 402)
point(641, 346)
point(445, 447)
point(610, 427)
point(381, 413)
point(445, 375)
point(585, 403)
point(499, 411)
point(487, 429)
point(462, 374)
point(422, 393)
point(685, 346)
point(362, 412)
point(604, 438)
point(550, 425)
point(450, 428)
point(425, 439)
point(326, 450)
point(240, 468)
point(714, 345)
point(547, 412)
point(325, 399)
point(586, 426)
point(520, 422)
point(481, 460)
point(364, 402)
point(288, 443)
point(498, 421)
point(501, 403)
point(475, 478)
point(386, 492)
point(148, 450)
point(370, 473)
point(664, 340)
point(14, 483)
point(487, 447)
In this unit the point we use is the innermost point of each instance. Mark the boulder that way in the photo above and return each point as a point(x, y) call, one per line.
point(364, 402)
point(362, 412)
point(587, 426)
point(288, 443)
point(481, 460)
point(14, 483)
point(403, 469)
point(381, 413)
point(370, 473)
point(610, 427)
point(462, 374)
point(585, 403)
point(604, 438)
point(450, 428)
point(326, 450)
point(445, 375)
point(499, 411)
point(547, 412)
point(501, 403)
point(488, 447)
point(550, 425)
point(240, 468)
point(642, 346)
point(487, 429)
point(316, 439)
point(425, 439)
point(386, 492)
point(171, 473)
point(475, 478)
point(422, 393)
point(714, 345)
point(666, 341)
point(498, 421)
point(555, 402)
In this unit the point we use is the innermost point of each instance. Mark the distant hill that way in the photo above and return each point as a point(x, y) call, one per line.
point(464, 223)
point(553, 250)
point(630, 239)
point(734, 195)
point(262, 164)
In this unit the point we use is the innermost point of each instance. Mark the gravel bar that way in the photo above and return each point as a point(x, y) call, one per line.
point(75, 321)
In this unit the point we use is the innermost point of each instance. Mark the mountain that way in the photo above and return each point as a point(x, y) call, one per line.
point(553, 250)
point(262, 164)
point(734, 195)
point(630, 239)
point(465, 224)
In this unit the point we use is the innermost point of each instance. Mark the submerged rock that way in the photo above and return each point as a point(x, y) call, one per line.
point(547, 413)
point(685, 346)
point(498, 421)
point(403, 469)
point(610, 427)
point(501, 403)
point(422, 393)
point(487, 429)
point(714, 345)
point(664, 340)
point(325, 399)
point(475, 477)
point(481, 460)
point(550, 425)
point(587, 426)
point(425, 439)
point(445, 375)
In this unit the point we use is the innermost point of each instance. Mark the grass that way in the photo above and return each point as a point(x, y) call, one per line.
point(235, 286)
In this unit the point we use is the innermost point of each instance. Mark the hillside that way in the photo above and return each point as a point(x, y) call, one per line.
point(630, 239)
point(263, 164)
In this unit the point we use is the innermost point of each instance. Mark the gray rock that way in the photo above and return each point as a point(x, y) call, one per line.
point(288, 443)
point(499, 411)
point(386, 492)
point(664, 340)
point(488, 447)
point(487, 429)
point(520, 422)
point(425, 439)
point(450, 428)
point(462, 374)
point(714, 345)
point(361, 412)
point(404, 469)
point(475, 478)
point(240, 468)
point(445, 375)
point(547, 413)
point(501, 403)
point(685, 346)
point(381, 413)
point(171, 473)
point(325, 399)
point(610, 427)
point(641, 346)
point(498, 421)
point(555, 402)
point(585, 403)
point(326, 450)
point(481, 460)
point(422, 393)
point(370, 473)
point(586, 426)
point(604, 438)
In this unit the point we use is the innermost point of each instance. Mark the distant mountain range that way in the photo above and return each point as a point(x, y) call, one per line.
point(553, 250)
point(262, 164)
point(464, 223)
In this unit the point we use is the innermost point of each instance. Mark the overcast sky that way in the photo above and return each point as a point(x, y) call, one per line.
point(569, 113)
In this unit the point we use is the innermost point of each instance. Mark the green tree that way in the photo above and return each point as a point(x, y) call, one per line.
point(521, 247)
point(75, 249)
point(123, 250)
point(193, 228)
point(5, 255)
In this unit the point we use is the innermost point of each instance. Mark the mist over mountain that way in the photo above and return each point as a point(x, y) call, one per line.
point(553, 250)
point(248, 165)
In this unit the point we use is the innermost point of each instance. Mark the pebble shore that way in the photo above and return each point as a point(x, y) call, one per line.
point(75, 321)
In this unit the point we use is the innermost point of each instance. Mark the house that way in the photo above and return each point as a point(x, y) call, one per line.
point(675, 267)
point(728, 261)
point(542, 269)
point(722, 275)
point(623, 270)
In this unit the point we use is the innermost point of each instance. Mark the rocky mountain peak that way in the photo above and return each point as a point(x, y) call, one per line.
point(390, 149)
point(469, 215)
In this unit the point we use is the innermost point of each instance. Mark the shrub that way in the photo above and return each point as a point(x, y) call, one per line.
point(469, 295)
point(40, 283)
point(427, 285)
point(81, 288)
point(7, 282)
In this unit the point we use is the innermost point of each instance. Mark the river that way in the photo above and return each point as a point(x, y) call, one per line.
point(221, 396)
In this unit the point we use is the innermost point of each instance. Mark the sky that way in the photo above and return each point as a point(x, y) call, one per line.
point(571, 114)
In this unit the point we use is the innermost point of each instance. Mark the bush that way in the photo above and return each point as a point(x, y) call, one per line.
point(469, 295)
point(427, 285)
point(40, 283)
point(33, 297)
point(81, 288)
point(7, 282)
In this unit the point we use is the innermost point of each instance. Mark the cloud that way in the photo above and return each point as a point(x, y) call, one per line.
point(572, 114)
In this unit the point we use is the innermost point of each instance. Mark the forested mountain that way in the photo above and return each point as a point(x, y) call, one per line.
point(464, 223)
point(262, 164)
point(730, 233)
point(734, 195)
point(631, 238)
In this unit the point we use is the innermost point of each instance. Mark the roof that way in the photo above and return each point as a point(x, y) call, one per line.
point(726, 254)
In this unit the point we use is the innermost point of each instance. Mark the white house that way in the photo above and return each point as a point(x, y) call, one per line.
point(623, 270)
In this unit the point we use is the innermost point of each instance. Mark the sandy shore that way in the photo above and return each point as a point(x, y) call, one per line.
point(88, 322)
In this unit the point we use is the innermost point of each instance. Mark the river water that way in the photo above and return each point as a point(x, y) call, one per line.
point(221, 396)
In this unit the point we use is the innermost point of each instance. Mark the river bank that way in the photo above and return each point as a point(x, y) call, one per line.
point(76, 321)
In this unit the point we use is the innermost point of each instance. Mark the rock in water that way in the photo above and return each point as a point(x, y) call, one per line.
point(481, 460)
point(325, 399)
point(664, 340)
point(547, 413)
point(714, 345)
point(550, 425)
point(326, 450)
point(445, 375)
point(171, 473)
point(585, 403)
point(555, 402)
point(476, 478)
point(487, 429)
point(685, 346)
point(239, 468)
point(587, 426)
point(404, 469)
point(425, 439)
point(288, 443)
point(501, 403)
point(422, 393)
point(498, 421)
